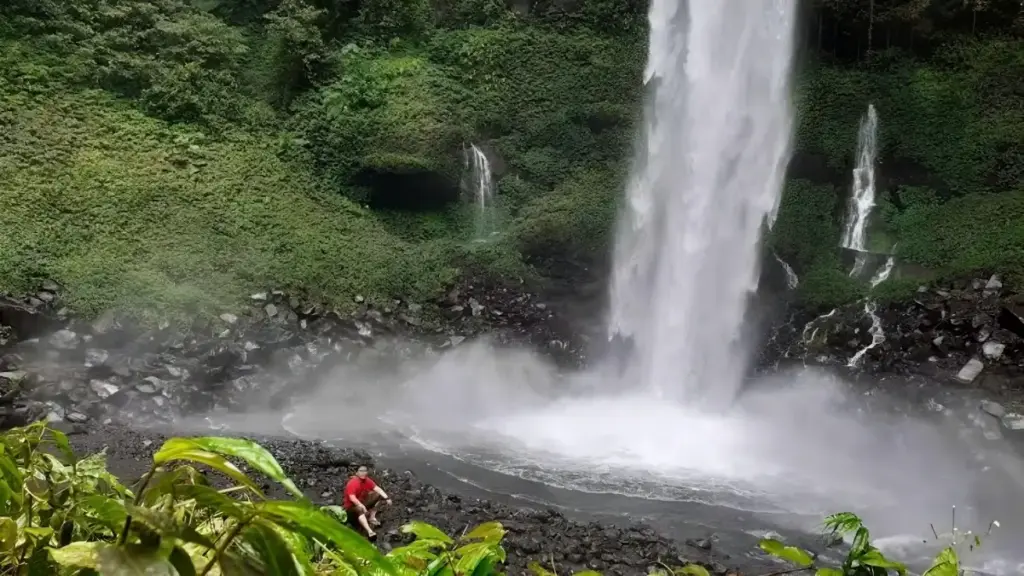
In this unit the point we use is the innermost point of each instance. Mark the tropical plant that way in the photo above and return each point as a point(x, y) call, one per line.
point(64, 515)
point(864, 559)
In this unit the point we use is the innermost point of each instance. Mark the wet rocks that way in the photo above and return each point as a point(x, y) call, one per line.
point(540, 535)
point(970, 332)
point(249, 358)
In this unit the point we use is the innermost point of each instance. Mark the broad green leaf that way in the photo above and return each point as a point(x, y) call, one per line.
point(8, 534)
point(338, 512)
point(107, 511)
point(486, 567)
point(861, 542)
point(165, 525)
point(843, 523)
point(306, 519)
point(270, 548)
point(788, 553)
point(539, 570)
point(214, 500)
point(182, 562)
point(421, 549)
point(470, 555)
point(877, 559)
point(426, 532)
point(172, 452)
point(133, 560)
point(60, 440)
point(79, 554)
point(828, 572)
point(691, 570)
point(488, 532)
point(300, 548)
point(587, 573)
point(252, 453)
point(947, 563)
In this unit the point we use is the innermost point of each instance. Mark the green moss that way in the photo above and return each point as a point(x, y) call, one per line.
point(130, 213)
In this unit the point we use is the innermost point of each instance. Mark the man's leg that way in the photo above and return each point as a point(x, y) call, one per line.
point(371, 502)
point(358, 520)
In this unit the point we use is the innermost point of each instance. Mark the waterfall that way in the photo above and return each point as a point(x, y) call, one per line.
point(481, 185)
point(792, 281)
point(883, 274)
point(862, 198)
point(707, 179)
point(876, 331)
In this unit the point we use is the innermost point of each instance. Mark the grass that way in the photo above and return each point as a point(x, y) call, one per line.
point(130, 213)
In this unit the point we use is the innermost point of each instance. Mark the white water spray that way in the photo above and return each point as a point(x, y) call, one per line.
point(709, 176)
point(862, 198)
point(482, 186)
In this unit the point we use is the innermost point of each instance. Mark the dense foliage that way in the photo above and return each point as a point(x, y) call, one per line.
point(172, 155)
point(67, 515)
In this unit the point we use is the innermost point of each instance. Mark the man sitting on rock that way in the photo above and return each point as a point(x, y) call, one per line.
point(361, 498)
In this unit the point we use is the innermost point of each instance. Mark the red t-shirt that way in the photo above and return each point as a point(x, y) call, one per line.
point(358, 488)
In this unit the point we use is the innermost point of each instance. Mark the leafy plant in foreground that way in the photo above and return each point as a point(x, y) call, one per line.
point(863, 559)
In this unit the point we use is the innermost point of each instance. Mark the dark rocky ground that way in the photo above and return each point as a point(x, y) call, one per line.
point(538, 535)
point(110, 382)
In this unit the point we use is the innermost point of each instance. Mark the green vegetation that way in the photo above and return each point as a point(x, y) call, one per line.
point(172, 156)
point(60, 514)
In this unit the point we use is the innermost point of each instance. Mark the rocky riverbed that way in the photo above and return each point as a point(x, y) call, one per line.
point(55, 366)
point(546, 536)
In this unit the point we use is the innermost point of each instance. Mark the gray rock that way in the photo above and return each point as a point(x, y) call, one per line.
point(95, 357)
point(271, 310)
point(993, 284)
point(50, 286)
point(14, 376)
point(993, 350)
point(103, 389)
point(994, 408)
point(415, 308)
point(64, 340)
point(970, 370)
point(1013, 421)
point(229, 318)
point(456, 340)
point(46, 297)
point(476, 307)
point(359, 299)
point(77, 418)
point(259, 297)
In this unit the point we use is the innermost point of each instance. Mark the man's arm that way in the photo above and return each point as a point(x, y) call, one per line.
point(380, 492)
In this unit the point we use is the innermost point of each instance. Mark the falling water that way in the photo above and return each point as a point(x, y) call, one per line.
point(792, 280)
point(862, 199)
point(709, 175)
point(876, 332)
point(481, 184)
point(883, 274)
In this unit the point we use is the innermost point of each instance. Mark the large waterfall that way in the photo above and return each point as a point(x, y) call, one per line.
point(708, 175)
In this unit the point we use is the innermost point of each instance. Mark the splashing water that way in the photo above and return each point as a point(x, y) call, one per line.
point(876, 332)
point(862, 199)
point(884, 272)
point(482, 186)
point(708, 179)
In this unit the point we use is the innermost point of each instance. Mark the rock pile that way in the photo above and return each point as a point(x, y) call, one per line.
point(56, 366)
point(970, 332)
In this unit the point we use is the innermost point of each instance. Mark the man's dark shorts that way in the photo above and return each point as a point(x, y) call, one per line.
point(352, 514)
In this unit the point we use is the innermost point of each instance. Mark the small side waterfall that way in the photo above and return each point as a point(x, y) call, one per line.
point(481, 185)
point(883, 273)
point(862, 199)
point(792, 280)
point(876, 331)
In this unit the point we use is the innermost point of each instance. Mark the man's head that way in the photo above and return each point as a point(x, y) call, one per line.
point(362, 471)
